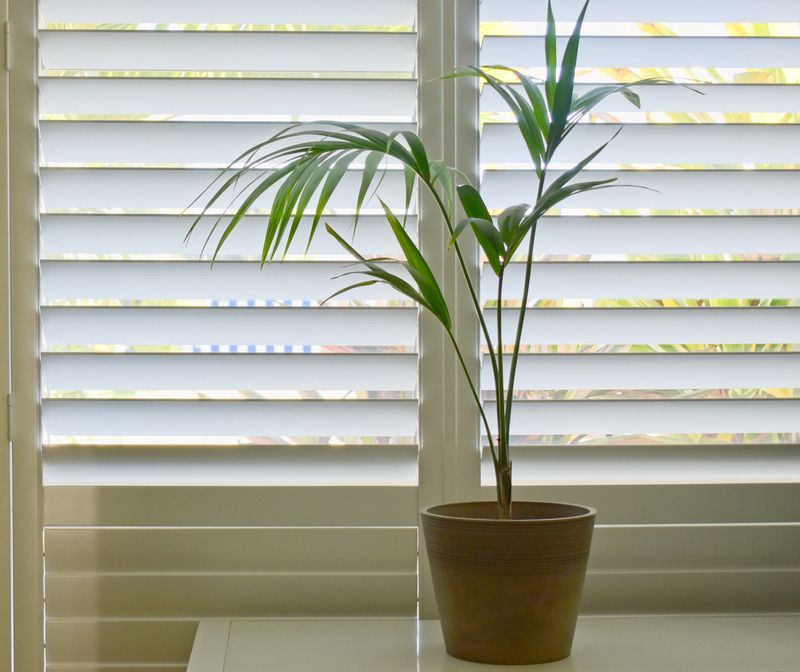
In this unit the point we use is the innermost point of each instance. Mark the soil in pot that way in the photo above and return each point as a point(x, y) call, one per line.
point(508, 591)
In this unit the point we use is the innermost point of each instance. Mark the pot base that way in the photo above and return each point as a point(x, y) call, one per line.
point(508, 590)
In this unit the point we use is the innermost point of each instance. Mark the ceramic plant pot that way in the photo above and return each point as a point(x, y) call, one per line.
point(508, 590)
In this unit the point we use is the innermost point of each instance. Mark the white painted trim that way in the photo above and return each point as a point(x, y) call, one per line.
point(621, 643)
point(28, 635)
point(449, 464)
point(210, 646)
point(5, 372)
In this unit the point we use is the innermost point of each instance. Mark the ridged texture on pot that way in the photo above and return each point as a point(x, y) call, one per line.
point(508, 591)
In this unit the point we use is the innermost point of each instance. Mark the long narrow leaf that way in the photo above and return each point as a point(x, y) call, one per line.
point(250, 151)
point(262, 187)
point(335, 176)
point(285, 200)
point(537, 101)
point(364, 283)
point(428, 286)
point(550, 56)
point(567, 175)
point(554, 196)
point(510, 220)
point(410, 177)
point(419, 154)
point(311, 186)
point(562, 103)
point(472, 202)
point(382, 275)
point(482, 226)
point(526, 120)
point(440, 173)
point(490, 241)
point(371, 164)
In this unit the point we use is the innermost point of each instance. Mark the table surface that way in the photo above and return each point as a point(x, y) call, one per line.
point(602, 644)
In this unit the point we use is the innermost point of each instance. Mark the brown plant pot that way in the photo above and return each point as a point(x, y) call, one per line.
point(508, 590)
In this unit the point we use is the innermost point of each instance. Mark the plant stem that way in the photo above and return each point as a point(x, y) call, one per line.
point(502, 438)
point(498, 381)
point(475, 394)
point(503, 478)
point(522, 311)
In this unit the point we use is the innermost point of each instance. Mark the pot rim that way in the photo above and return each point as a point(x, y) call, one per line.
point(587, 512)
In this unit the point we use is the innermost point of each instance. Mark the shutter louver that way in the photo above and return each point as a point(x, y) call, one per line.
point(659, 378)
point(179, 385)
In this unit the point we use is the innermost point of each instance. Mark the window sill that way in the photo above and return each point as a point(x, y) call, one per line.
point(767, 643)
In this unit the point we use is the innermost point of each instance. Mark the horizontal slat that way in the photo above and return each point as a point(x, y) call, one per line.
point(765, 591)
point(100, 667)
point(173, 190)
point(661, 503)
point(645, 280)
point(244, 595)
point(656, 463)
point(701, 547)
point(630, 548)
point(286, 595)
point(389, 462)
point(687, 189)
point(187, 143)
point(219, 371)
point(655, 417)
point(277, 100)
point(221, 505)
point(660, 10)
point(610, 52)
point(670, 145)
point(667, 235)
point(70, 280)
point(163, 236)
point(248, 51)
point(367, 326)
point(232, 12)
point(628, 29)
point(216, 418)
point(75, 642)
point(634, 325)
point(678, 100)
point(656, 371)
point(154, 550)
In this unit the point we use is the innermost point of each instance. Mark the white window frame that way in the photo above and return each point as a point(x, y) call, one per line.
point(449, 437)
point(449, 459)
point(5, 377)
point(22, 156)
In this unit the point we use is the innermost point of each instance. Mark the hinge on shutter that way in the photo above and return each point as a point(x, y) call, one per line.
point(8, 417)
point(7, 46)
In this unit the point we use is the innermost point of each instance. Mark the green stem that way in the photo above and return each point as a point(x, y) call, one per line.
point(522, 311)
point(502, 438)
point(474, 391)
point(503, 478)
point(476, 304)
point(473, 294)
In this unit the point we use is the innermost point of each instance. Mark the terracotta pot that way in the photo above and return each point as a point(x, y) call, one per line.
point(508, 590)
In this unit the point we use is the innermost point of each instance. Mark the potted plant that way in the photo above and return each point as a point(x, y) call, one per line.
point(507, 577)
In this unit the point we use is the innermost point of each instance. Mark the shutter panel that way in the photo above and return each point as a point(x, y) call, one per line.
point(218, 443)
point(659, 378)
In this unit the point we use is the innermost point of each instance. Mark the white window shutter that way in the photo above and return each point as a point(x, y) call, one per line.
point(659, 378)
point(216, 442)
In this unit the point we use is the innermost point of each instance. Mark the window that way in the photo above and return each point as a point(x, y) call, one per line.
point(215, 441)
point(217, 444)
point(660, 368)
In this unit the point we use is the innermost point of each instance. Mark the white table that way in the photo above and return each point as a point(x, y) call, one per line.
point(602, 644)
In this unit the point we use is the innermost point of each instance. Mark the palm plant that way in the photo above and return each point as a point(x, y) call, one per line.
point(305, 163)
